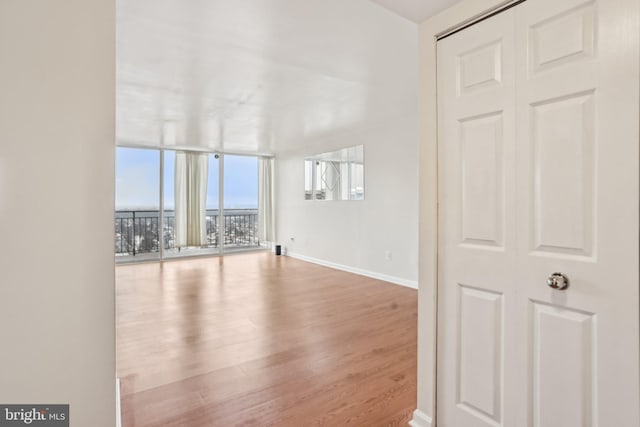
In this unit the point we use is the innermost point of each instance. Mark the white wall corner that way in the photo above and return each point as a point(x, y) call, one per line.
point(420, 419)
point(374, 275)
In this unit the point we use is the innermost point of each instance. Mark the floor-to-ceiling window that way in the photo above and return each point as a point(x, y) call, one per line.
point(240, 202)
point(146, 197)
point(137, 218)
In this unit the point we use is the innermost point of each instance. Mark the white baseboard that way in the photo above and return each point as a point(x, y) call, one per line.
point(391, 279)
point(118, 410)
point(420, 419)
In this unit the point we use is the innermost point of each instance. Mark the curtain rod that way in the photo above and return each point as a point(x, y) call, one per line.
point(197, 149)
point(479, 18)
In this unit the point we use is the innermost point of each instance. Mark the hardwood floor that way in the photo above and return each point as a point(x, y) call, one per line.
point(260, 340)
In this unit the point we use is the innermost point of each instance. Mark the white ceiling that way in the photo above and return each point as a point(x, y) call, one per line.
point(259, 76)
point(416, 10)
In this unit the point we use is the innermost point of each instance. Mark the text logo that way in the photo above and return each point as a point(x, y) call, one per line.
point(34, 415)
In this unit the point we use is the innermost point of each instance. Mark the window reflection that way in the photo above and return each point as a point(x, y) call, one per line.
point(335, 175)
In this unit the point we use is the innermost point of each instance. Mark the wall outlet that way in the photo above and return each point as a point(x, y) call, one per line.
point(387, 255)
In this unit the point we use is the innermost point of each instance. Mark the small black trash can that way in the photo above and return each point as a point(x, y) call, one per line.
point(278, 250)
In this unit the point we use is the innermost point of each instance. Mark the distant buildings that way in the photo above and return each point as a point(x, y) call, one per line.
point(137, 231)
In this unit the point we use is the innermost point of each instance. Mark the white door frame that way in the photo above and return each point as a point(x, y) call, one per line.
point(457, 16)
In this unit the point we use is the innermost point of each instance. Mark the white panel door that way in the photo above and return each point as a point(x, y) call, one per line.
point(577, 163)
point(477, 248)
point(538, 173)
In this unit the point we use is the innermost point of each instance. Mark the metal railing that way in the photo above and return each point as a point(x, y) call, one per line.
point(137, 231)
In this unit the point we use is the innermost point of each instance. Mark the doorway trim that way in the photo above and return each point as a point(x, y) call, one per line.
point(450, 20)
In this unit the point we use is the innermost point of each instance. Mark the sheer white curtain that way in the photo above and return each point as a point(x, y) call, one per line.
point(266, 211)
point(191, 172)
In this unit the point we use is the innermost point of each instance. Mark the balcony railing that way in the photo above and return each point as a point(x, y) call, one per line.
point(137, 231)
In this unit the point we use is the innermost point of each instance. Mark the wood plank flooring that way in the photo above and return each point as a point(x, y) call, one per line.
point(260, 340)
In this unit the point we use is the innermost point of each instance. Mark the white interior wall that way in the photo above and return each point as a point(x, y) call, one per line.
point(57, 81)
point(357, 234)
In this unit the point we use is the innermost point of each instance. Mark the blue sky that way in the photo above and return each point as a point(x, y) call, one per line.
point(138, 184)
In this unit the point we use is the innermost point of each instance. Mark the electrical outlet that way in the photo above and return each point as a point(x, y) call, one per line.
point(387, 255)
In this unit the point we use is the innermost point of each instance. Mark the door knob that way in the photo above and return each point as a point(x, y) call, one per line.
point(558, 281)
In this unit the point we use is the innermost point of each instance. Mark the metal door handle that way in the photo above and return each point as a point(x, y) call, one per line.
point(558, 281)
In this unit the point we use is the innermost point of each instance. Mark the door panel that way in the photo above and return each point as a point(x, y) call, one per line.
point(476, 219)
point(562, 144)
point(563, 371)
point(538, 173)
point(482, 180)
point(577, 163)
point(480, 352)
point(561, 36)
point(480, 68)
